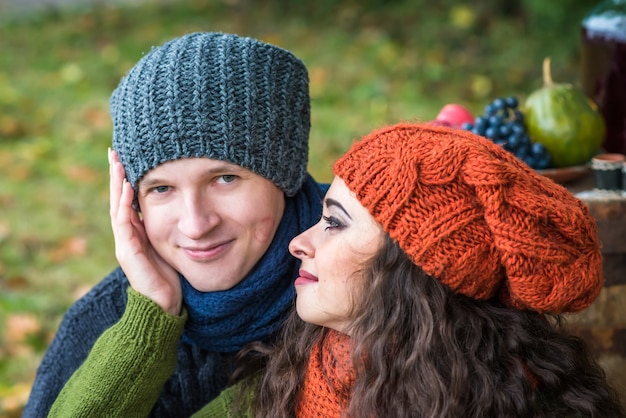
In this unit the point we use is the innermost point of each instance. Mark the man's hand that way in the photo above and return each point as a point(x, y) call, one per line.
point(147, 272)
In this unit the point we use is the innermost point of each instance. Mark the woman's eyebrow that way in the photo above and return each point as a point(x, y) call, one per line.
point(332, 202)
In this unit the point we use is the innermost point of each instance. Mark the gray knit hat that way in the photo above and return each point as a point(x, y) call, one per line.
point(219, 96)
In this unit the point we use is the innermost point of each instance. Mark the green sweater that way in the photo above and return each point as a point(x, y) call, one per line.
point(128, 366)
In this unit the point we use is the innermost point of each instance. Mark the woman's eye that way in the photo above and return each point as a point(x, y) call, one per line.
point(331, 222)
point(227, 178)
point(161, 189)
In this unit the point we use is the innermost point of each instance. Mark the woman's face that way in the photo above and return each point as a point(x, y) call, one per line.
point(332, 251)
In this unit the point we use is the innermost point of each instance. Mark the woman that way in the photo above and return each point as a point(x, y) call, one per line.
point(431, 287)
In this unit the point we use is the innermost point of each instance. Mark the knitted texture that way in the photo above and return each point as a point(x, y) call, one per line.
point(200, 375)
point(254, 308)
point(137, 354)
point(476, 218)
point(219, 96)
point(328, 380)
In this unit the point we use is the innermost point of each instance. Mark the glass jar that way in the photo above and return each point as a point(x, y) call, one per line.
point(603, 68)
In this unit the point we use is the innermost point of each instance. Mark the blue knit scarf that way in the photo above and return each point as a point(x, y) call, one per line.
point(226, 321)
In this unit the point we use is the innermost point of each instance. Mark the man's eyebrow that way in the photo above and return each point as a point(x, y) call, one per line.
point(148, 182)
point(332, 202)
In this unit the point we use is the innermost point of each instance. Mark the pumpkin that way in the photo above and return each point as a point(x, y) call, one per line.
point(564, 120)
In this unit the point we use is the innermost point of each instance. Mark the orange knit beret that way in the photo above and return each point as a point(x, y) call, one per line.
point(476, 218)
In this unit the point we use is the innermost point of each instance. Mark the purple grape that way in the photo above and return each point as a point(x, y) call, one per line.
point(503, 124)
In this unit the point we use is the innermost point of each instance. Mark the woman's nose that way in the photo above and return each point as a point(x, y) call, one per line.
point(301, 246)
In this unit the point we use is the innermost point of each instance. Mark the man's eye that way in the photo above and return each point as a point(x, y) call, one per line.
point(227, 178)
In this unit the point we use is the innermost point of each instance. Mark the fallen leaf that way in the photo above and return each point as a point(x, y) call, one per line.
point(6, 157)
point(82, 173)
point(5, 229)
point(20, 173)
point(14, 399)
point(71, 73)
point(11, 127)
point(19, 326)
point(15, 282)
point(481, 86)
point(73, 246)
point(462, 17)
point(319, 79)
point(97, 118)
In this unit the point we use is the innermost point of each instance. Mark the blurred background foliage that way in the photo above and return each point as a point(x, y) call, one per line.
point(371, 62)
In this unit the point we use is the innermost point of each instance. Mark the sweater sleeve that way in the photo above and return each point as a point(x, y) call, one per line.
point(127, 367)
point(81, 326)
point(223, 405)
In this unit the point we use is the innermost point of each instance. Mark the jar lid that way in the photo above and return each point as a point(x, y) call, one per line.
point(608, 19)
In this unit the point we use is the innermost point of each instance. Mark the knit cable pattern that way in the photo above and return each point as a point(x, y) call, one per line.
point(476, 218)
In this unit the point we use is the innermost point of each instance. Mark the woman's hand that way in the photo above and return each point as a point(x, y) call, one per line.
point(147, 272)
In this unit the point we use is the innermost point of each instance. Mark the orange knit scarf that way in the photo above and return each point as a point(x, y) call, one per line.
point(329, 377)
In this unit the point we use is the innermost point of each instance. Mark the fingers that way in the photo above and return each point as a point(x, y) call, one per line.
point(121, 192)
point(125, 210)
point(144, 268)
point(121, 199)
point(116, 179)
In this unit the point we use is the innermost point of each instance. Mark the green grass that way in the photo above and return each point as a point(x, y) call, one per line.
point(370, 62)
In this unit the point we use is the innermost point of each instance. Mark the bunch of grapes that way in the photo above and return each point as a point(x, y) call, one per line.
point(503, 124)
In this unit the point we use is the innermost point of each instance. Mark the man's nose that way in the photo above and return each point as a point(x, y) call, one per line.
point(198, 217)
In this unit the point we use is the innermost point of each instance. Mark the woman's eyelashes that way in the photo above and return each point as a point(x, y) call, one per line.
point(332, 223)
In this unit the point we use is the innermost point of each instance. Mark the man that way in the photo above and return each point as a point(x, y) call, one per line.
point(210, 145)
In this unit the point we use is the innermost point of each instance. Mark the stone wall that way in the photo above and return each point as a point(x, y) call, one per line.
point(603, 327)
point(603, 324)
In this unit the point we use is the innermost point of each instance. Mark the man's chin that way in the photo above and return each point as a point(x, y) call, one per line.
point(217, 284)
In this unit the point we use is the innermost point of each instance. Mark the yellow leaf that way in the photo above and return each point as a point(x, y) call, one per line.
point(462, 17)
point(481, 86)
point(71, 73)
point(13, 399)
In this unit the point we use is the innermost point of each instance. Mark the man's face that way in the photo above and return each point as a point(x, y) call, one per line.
point(209, 219)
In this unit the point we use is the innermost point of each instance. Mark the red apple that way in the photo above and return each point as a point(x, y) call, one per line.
point(454, 115)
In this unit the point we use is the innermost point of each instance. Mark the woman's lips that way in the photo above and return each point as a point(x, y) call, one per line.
point(305, 278)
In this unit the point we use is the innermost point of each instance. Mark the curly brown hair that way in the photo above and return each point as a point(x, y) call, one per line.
point(420, 350)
